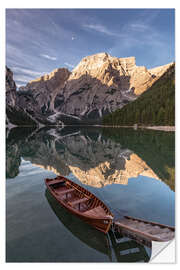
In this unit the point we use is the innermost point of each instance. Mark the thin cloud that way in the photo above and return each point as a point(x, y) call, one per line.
point(53, 58)
point(139, 27)
point(69, 65)
point(23, 75)
point(21, 78)
point(101, 29)
point(27, 72)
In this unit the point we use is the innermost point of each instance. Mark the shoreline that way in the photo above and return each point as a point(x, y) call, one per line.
point(162, 128)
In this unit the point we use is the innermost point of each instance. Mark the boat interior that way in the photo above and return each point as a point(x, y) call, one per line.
point(78, 198)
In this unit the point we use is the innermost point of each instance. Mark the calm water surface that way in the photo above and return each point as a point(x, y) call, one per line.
point(131, 171)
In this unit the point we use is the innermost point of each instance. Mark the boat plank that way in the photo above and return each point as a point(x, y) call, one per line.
point(62, 192)
point(98, 215)
point(148, 230)
point(78, 201)
point(96, 211)
point(149, 222)
point(55, 181)
point(100, 218)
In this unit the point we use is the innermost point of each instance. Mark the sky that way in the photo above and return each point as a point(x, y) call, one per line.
point(41, 40)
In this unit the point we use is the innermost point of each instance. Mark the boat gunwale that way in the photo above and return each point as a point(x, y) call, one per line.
point(70, 208)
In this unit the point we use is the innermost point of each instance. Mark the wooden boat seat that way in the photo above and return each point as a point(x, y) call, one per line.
point(56, 181)
point(73, 203)
point(96, 211)
point(62, 192)
point(80, 202)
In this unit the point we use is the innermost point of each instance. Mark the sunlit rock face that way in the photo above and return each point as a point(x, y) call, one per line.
point(101, 83)
point(159, 71)
point(33, 105)
point(45, 89)
point(98, 85)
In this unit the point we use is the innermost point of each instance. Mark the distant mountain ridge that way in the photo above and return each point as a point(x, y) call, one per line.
point(99, 85)
point(156, 106)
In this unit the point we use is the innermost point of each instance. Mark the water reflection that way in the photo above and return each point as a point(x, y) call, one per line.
point(124, 168)
point(96, 158)
point(78, 228)
point(156, 148)
point(126, 250)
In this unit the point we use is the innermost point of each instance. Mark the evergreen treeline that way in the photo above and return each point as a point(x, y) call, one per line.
point(156, 106)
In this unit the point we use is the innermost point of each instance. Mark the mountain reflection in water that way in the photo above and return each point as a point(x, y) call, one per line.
point(131, 171)
point(97, 158)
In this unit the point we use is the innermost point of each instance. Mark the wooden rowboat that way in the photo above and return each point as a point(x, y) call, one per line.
point(144, 231)
point(80, 202)
point(91, 237)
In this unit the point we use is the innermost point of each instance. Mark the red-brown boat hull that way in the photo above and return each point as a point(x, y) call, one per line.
point(101, 223)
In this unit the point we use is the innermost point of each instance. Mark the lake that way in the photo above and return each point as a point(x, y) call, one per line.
point(131, 171)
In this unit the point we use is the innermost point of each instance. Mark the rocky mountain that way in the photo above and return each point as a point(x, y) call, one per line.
point(45, 89)
point(101, 83)
point(10, 88)
point(15, 115)
point(156, 106)
point(97, 86)
point(159, 71)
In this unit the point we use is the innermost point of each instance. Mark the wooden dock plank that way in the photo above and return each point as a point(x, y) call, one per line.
point(148, 230)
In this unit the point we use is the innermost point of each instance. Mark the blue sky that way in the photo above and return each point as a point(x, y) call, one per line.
point(40, 40)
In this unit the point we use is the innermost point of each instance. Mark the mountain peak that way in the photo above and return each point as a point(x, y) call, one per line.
point(58, 72)
point(98, 85)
